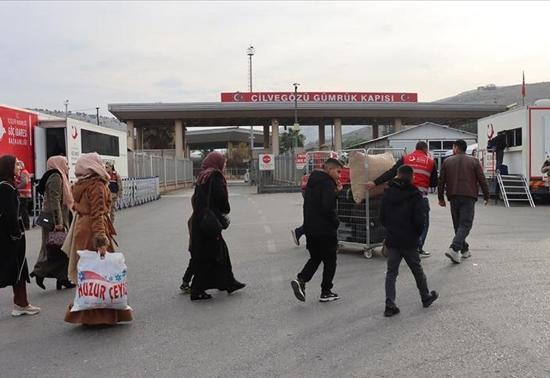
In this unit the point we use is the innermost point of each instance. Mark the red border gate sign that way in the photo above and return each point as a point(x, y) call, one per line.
point(321, 97)
point(267, 162)
point(301, 160)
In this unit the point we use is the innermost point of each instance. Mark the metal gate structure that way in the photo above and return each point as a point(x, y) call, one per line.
point(285, 178)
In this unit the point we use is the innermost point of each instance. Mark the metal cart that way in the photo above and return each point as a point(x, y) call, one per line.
point(360, 225)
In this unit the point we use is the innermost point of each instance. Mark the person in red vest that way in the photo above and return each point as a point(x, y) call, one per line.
point(24, 186)
point(424, 178)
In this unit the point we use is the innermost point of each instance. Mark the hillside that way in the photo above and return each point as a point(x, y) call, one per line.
point(505, 95)
point(110, 122)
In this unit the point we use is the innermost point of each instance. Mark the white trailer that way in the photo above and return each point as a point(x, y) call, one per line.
point(527, 131)
point(71, 137)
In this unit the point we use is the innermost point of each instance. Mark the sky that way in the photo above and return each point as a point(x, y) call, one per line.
point(98, 53)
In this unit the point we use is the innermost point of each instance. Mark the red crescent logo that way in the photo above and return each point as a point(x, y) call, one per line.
point(74, 133)
point(404, 97)
point(490, 131)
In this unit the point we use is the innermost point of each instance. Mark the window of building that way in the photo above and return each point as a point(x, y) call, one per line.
point(434, 145)
point(103, 144)
point(513, 137)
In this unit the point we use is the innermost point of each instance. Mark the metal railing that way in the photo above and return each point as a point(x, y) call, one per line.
point(284, 178)
point(169, 169)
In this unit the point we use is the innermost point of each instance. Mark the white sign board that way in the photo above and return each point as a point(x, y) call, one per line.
point(267, 162)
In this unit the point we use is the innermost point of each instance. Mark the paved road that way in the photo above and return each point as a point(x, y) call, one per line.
point(491, 320)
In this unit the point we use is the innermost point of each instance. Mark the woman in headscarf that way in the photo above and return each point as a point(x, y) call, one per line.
point(92, 230)
point(13, 264)
point(58, 200)
point(211, 265)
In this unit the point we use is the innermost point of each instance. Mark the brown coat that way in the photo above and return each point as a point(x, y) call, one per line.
point(92, 229)
point(92, 202)
point(460, 175)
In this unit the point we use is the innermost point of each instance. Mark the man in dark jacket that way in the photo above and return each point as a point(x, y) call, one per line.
point(424, 178)
point(460, 178)
point(320, 224)
point(403, 216)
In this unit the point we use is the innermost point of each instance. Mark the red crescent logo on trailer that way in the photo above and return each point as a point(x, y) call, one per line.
point(74, 133)
point(266, 159)
point(238, 97)
point(490, 131)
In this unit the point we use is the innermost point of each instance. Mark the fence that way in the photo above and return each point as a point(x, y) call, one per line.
point(135, 192)
point(284, 178)
point(171, 171)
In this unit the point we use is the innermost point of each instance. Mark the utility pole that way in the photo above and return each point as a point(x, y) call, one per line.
point(97, 114)
point(250, 52)
point(296, 126)
point(66, 103)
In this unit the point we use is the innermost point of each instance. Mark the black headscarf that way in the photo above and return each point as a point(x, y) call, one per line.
point(7, 168)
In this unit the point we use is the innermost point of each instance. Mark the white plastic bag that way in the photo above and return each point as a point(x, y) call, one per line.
point(101, 282)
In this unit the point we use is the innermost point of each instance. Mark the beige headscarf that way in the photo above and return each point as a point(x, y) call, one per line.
point(89, 165)
point(60, 163)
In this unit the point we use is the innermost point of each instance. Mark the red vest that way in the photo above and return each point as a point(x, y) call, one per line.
point(422, 166)
point(26, 192)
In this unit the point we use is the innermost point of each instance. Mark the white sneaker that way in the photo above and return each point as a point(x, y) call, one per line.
point(29, 310)
point(466, 255)
point(453, 255)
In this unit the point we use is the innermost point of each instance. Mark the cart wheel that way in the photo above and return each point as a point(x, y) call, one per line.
point(367, 253)
point(384, 250)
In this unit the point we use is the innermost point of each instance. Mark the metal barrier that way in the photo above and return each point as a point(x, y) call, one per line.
point(135, 192)
point(284, 178)
point(170, 170)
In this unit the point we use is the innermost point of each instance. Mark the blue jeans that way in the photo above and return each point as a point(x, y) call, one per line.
point(424, 234)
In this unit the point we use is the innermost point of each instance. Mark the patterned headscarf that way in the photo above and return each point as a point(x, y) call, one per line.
point(89, 165)
point(60, 163)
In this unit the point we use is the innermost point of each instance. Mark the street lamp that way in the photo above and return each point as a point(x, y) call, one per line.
point(296, 125)
point(250, 52)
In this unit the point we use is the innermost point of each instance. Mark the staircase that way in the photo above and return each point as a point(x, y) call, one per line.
point(514, 188)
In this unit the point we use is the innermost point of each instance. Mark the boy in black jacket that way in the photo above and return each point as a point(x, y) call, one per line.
point(320, 224)
point(402, 215)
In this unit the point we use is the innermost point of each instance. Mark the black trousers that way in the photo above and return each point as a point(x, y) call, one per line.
point(321, 250)
point(395, 255)
point(188, 275)
point(24, 211)
point(462, 212)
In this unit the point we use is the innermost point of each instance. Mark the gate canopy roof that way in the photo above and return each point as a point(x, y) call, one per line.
point(242, 114)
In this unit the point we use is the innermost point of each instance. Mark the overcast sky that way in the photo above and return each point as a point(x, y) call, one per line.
point(99, 53)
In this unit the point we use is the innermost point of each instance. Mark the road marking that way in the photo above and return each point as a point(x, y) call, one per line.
point(267, 229)
point(271, 247)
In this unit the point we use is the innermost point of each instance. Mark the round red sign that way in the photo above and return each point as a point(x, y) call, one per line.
point(266, 159)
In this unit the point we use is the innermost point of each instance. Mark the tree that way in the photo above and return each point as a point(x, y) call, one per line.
point(291, 138)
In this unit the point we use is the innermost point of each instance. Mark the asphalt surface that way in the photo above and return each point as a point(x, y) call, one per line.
point(490, 321)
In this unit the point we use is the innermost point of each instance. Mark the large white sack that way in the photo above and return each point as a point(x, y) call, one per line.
point(102, 283)
point(364, 168)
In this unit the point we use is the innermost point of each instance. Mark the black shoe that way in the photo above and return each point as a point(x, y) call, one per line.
point(299, 288)
point(64, 283)
point(40, 282)
point(185, 287)
point(200, 297)
point(328, 296)
point(431, 299)
point(391, 311)
point(236, 286)
point(424, 254)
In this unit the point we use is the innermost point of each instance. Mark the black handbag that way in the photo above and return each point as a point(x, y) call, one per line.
point(46, 221)
point(209, 223)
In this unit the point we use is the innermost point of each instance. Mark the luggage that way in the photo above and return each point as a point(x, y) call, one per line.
point(360, 174)
point(102, 282)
